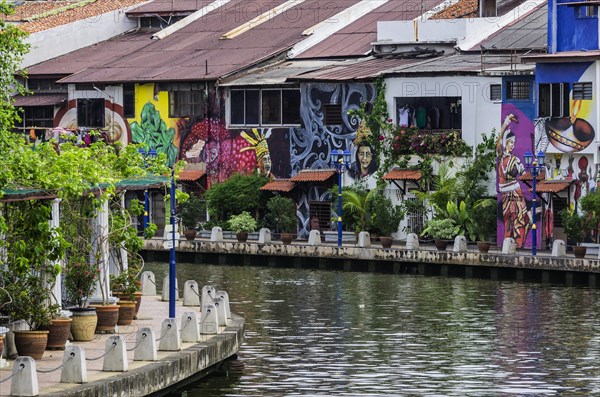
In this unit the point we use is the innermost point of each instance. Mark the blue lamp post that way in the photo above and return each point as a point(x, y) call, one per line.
point(340, 160)
point(535, 167)
point(172, 264)
point(151, 155)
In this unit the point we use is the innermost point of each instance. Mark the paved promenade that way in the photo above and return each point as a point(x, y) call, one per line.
point(143, 377)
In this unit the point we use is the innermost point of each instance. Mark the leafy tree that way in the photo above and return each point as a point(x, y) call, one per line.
point(238, 193)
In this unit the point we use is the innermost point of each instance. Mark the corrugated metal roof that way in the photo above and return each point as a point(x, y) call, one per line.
point(277, 74)
point(356, 38)
point(313, 176)
point(399, 175)
point(357, 69)
point(39, 100)
point(191, 175)
point(279, 185)
point(564, 56)
point(199, 53)
point(552, 186)
point(168, 7)
point(529, 31)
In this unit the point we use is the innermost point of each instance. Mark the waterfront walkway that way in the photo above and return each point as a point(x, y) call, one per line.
point(143, 377)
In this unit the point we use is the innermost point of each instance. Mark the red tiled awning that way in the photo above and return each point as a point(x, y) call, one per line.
point(528, 177)
point(552, 186)
point(191, 175)
point(279, 185)
point(39, 100)
point(401, 175)
point(313, 176)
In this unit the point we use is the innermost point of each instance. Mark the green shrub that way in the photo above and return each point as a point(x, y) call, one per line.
point(440, 229)
point(281, 215)
point(243, 222)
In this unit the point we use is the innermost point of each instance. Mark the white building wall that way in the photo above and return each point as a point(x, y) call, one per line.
point(67, 38)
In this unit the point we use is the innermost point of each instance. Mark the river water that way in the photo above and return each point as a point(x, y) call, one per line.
point(312, 332)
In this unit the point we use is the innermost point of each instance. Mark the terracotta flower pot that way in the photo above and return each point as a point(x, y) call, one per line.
point(58, 333)
point(108, 316)
point(441, 245)
point(386, 242)
point(483, 246)
point(126, 312)
point(31, 343)
point(286, 238)
point(579, 251)
point(189, 234)
point(242, 237)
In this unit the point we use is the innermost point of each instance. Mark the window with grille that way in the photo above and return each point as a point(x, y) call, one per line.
point(582, 90)
point(45, 85)
point(553, 100)
point(559, 204)
point(415, 217)
point(518, 90)
point(186, 103)
point(129, 100)
point(38, 116)
point(268, 107)
point(332, 114)
point(90, 113)
point(495, 92)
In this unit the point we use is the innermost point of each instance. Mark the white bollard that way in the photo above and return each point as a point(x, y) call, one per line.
point(314, 237)
point(509, 246)
point(191, 296)
point(460, 244)
point(207, 295)
point(190, 329)
point(264, 236)
point(170, 340)
point(559, 248)
point(145, 345)
point(116, 354)
point(225, 297)
point(24, 377)
point(221, 315)
point(216, 234)
point(148, 283)
point(364, 239)
point(74, 368)
point(209, 322)
point(412, 241)
point(165, 291)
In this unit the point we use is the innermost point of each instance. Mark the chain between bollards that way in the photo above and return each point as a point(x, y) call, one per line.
point(46, 371)
point(114, 344)
point(10, 377)
point(140, 341)
point(168, 326)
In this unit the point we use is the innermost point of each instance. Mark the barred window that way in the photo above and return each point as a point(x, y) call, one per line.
point(582, 90)
point(519, 90)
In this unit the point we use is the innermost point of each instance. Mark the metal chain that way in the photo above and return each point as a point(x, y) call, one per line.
point(10, 377)
point(138, 343)
point(186, 324)
point(46, 371)
point(195, 292)
point(168, 326)
point(114, 344)
point(150, 278)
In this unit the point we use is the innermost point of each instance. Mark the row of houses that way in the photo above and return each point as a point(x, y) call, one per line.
point(267, 86)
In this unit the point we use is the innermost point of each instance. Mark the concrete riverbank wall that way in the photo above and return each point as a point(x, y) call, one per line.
point(427, 261)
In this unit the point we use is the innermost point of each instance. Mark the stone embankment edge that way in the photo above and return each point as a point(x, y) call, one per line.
point(379, 254)
point(167, 372)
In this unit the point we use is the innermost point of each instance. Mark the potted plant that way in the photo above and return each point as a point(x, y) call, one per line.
point(485, 223)
point(441, 230)
point(127, 286)
point(190, 212)
point(241, 225)
point(80, 281)
point(384, 218)
point(576, 227)
point(281, 217)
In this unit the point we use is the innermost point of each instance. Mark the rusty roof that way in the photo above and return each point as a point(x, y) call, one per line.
point(279, 185)
point(564, 56)
point(460, 9)
point(191, 175)
point(40, 16)
point(552, 186)
point(356, 38)
point(399, 175)
point(39, 100)
point(356, 69)
point(313, 176)
point(526, 176)
point(199, 52)
point(167, 7)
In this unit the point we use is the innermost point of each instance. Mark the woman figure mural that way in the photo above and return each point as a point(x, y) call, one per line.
point(364, 164)
point(261, 148)
point(514, 207)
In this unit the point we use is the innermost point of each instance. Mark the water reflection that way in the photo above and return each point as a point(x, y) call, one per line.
point(332, 333)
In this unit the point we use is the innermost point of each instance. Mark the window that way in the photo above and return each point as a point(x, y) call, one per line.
point(559, 204)
point(273, 106)
point(518, 90)
point(586, 11)
point(90, 113)
point(186, 103)
point(129, 100)
point(44, 85)
point(553, 100)
point(495, 92)
point(582, 90)
point(38, 116)
point(332, 114)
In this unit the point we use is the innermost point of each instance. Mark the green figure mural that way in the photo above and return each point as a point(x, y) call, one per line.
point(152, 132)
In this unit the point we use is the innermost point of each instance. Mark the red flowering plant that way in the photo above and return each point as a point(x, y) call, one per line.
point(127, 283)
point(407, 141)
point(80, 280)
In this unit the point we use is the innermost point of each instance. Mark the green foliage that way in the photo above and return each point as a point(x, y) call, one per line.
point(150, 231)
point(243, 222)
point(485, 219)
point(80, 280)
point(590, 205)
point(191, 210)
point(152, 133)
point(128, 281)
point(406, 140)
point(576, 226)
point(440, 229)
point(238, 193)
point(281, 215)
point(355, 199)
point(384, 217)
